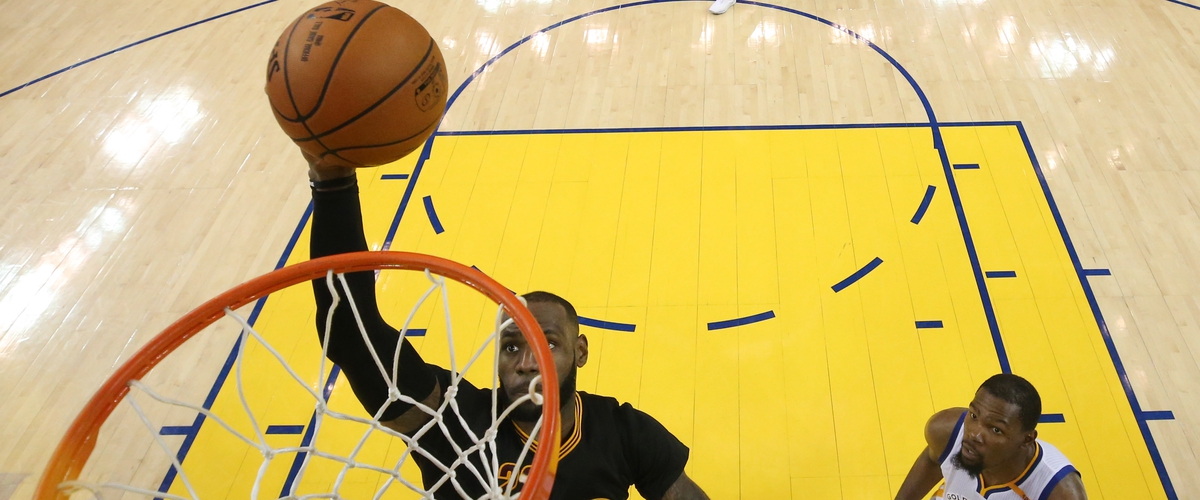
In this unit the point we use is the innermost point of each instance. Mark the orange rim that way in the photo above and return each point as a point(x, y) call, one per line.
point(76, 446)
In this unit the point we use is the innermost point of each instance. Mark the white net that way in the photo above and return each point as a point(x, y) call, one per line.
point(357, 459)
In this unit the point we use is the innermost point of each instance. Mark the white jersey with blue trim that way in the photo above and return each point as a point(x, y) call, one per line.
point(1036, 482)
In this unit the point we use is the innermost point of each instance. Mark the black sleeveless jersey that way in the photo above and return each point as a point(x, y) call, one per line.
point(613, 446)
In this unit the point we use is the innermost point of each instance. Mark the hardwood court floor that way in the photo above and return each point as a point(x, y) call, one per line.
point(142, 183)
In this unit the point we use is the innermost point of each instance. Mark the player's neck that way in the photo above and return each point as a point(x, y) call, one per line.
point(1012, 470)
point(568, 419)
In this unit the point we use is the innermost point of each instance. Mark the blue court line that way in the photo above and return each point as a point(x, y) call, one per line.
point(1139, 415)
point(308, 434)
point(1185, 4)
point(408, 191)
point(190, 438)
point(416, 332)
point(176, 430)
point(841, 285)
point(394, 177)
point(607, 325)
point(1001, 274)
point(1158, 415)
point(1052, 418)
point(285, 429)
point(130, 45)
point(1097, 272)
point(730, 323)
point(708, 128)
point(966, 166)
point(929, 324)
point(916, 219)
point(433, 218)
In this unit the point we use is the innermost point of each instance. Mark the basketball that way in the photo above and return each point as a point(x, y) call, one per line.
point(357, 82)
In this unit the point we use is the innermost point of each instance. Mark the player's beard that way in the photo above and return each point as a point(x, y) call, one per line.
point(972, 469)
point(530, 412)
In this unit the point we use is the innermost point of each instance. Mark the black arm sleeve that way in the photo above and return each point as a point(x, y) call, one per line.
point(656, 457)
point(337, 228)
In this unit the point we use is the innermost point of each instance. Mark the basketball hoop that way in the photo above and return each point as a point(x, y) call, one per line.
point(73, 453)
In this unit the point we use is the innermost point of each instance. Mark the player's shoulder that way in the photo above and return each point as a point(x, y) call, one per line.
point(1052, 457)
point(945, 422)
point(597, 400)
point(1060, 477)
point(611, 411)
point(594, 404)
point(637, 432)
point(941, 429)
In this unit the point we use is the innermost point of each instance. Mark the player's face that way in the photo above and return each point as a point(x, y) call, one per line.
point(992, 434)
point(518, 367)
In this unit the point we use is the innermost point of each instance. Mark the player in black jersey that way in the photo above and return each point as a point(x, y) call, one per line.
point(607, 447)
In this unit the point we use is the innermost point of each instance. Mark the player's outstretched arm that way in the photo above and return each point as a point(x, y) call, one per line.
point(337, 228)
point(685, 489)
point(927, 470)
point(1070, 488)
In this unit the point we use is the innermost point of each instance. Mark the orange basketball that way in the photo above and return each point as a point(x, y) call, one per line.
point(358, 81)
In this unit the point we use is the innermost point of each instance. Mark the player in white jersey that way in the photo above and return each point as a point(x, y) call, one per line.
point(991, 450)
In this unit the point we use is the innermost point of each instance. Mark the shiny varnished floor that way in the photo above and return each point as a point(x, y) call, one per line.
point(140, 184)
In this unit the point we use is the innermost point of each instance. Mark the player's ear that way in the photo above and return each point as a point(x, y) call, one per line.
point(1031, 436)
point(581, 351)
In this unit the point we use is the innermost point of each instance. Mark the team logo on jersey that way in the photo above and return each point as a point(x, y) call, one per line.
point(506, 473)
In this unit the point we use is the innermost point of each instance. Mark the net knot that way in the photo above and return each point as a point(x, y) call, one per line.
point(451, 391)
point(490, 435)
point(268, 453)
point(394, 394)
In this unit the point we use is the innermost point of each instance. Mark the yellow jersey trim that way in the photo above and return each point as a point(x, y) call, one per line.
point(1037, 455)
point(572, 440)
